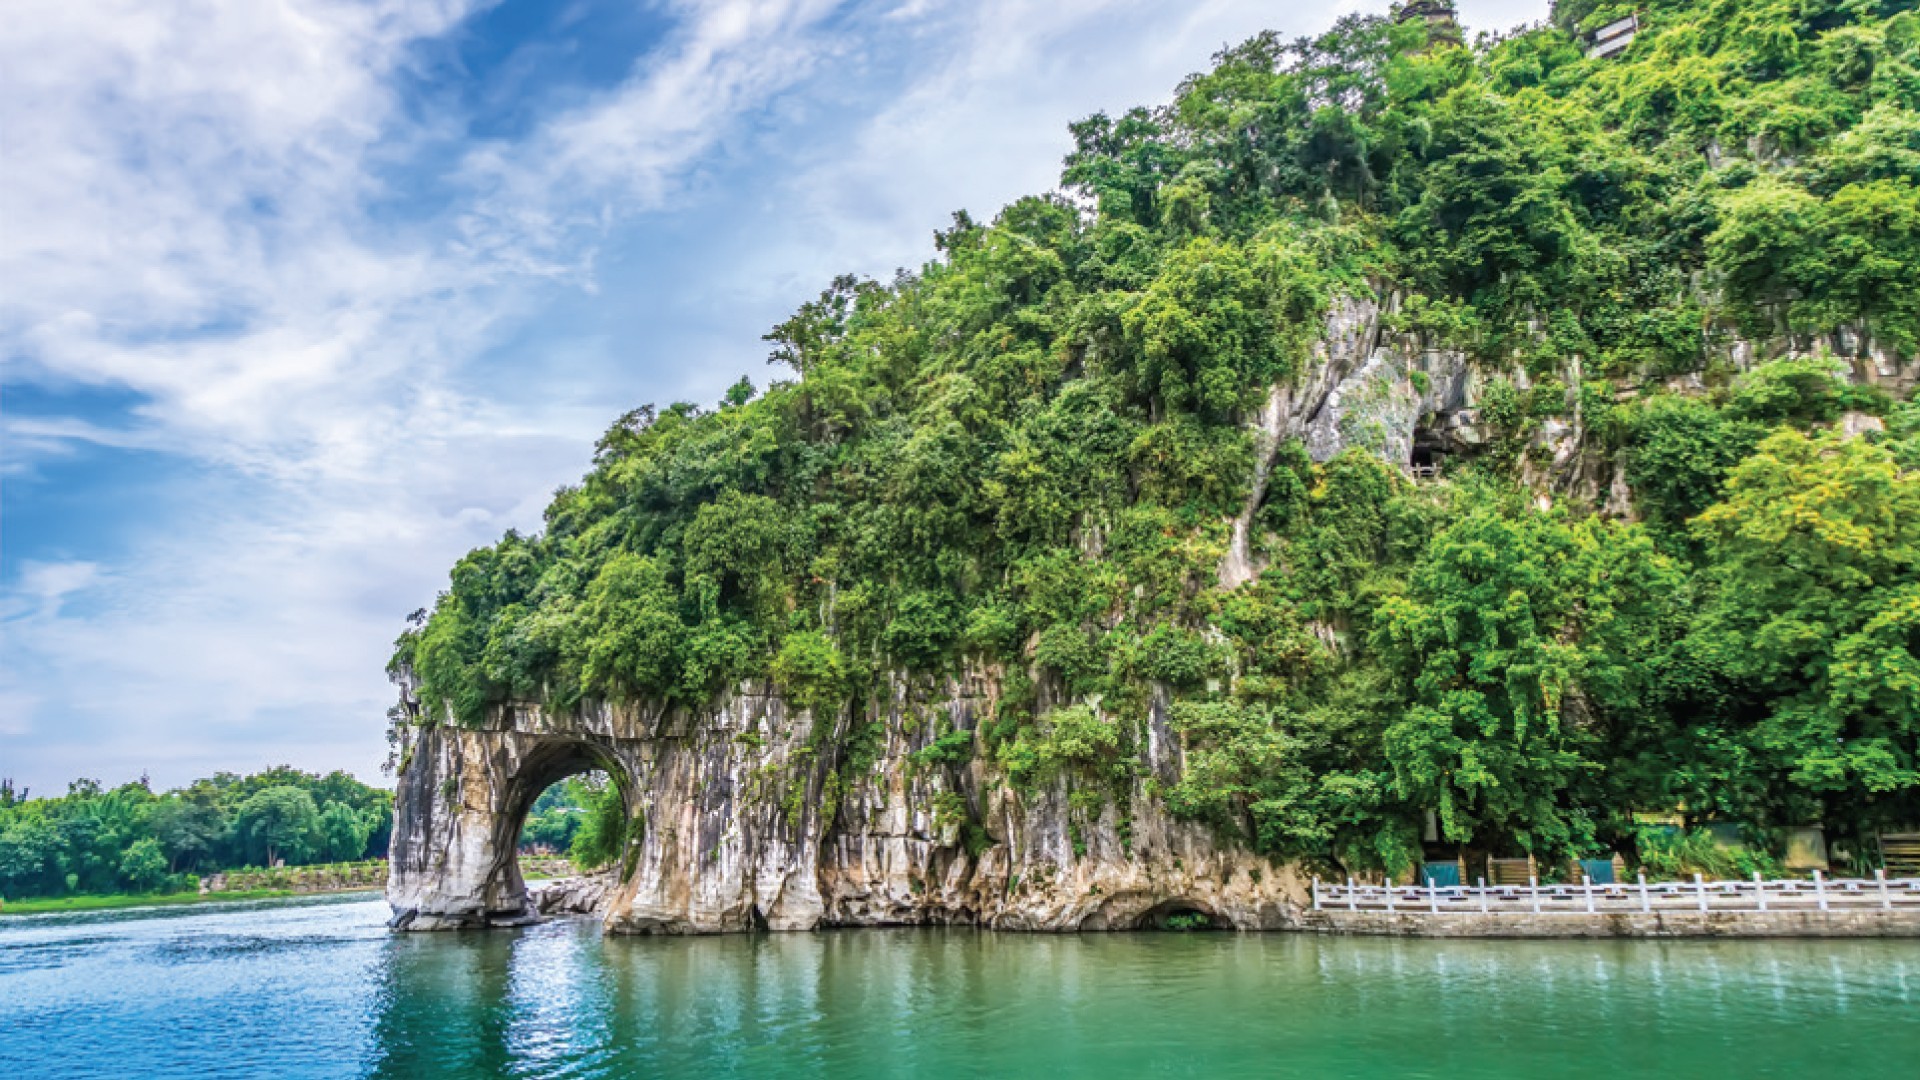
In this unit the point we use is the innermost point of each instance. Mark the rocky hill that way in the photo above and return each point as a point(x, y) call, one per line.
point(1388, 447)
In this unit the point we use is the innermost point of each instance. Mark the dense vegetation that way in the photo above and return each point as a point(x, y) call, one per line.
point(1025, 456)
point(130, 839)
point(581, 817)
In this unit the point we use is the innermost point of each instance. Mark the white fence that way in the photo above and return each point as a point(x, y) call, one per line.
point(1587, 898)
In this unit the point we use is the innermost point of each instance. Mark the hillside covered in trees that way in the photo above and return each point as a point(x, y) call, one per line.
point(1686, 273)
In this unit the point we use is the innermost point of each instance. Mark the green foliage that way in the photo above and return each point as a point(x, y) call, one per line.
point(1681, 451)
point(130, 839)
point(1176, 657)
point(280, 822)
point(1073, 738)
point(811, 672)
point(1245, 770)
point(604, 830)
point(1807, 648)
point(955, 748)
point(143, 866)
point(1672, 854)
point(1519, 642)
point(558, 813)
point(1027, 457)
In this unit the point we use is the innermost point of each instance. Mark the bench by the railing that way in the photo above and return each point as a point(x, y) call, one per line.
point(1587, 898)
point(1900, 853)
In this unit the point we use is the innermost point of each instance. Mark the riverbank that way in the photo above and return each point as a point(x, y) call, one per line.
point(114, 901)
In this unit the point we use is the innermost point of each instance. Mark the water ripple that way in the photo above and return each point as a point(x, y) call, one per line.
point(320, 989)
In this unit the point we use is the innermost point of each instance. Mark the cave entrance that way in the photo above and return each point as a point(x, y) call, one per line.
point(1180, 916)
point(1426, 461)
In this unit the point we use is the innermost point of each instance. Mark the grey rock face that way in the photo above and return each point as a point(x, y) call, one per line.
point(1364, 386)
point(742, 820)
point(586, 895)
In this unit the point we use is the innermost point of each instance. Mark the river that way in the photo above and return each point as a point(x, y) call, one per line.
point(318, 988)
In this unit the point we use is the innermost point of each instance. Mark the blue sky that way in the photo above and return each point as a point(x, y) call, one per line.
point(303, 300)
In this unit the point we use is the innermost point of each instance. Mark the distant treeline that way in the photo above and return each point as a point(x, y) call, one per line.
point(132, 839)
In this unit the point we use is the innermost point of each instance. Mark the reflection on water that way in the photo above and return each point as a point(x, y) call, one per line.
point(309, 989)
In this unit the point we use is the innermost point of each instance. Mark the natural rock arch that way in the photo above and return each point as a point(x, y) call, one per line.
point(462, 801)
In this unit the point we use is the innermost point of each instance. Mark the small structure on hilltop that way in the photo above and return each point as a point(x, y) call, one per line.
point(1613, 38)
point(1443, 26)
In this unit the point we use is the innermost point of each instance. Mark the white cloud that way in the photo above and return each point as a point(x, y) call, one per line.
point(625, 150)
point(189, 212)
point(189, 217)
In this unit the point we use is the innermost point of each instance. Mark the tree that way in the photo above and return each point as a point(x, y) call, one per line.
point(280, 822)
point(188, 831)
point(1809, 644)
point(633, 633)
point(602, 836)
point(30, 858)
point(343, 833)
point(1518, 640)
point(802, 340)
point(143, 866)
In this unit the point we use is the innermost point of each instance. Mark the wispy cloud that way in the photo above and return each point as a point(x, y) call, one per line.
point(541, 202)
point(191, 219)
point(197, 214)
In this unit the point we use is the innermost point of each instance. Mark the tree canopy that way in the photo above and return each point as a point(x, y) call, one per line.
point(133, 839)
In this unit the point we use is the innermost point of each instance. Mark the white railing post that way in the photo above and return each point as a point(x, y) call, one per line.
point(1389, 896)
point(1700, 887)
point(1316, 892)
point(1759, 891)
point(1433, 898)
point(1533, 887)
point(1820, 889)
point(1353, 901)
point(1483, 894)
point(1646, 905)
point(1586, 882)
point(1880, 875)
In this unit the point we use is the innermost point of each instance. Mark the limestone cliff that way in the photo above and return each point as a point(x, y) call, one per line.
point(739, 824)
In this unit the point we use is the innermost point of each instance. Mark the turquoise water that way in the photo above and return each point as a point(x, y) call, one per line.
point(320, 989)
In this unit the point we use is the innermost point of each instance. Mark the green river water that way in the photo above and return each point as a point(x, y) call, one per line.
point(321, 989)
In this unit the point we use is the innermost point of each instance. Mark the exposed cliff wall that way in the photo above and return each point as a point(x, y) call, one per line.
point(741, 822)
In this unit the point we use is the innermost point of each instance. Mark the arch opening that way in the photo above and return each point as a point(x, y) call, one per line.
point(1180, 915)
point(558, 814)
point(1427, 459)
point(604, 827)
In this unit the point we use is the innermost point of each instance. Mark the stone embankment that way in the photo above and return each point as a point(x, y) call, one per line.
point(1623, 924)
point(330, 877)
point(1820, 907)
